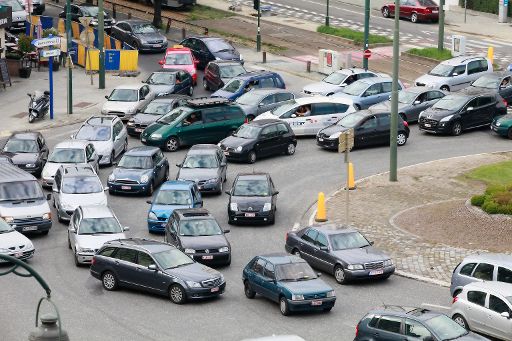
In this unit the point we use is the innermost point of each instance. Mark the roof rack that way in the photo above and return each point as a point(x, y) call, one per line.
point(207, 101)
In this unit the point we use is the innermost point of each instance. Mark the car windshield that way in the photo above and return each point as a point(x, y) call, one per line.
point(445, 327)
point(247, 131)
point(173, 115)
point(81, 185)
point(356, 88)
point(343, 241)
point(450, 102)
point(162, 78)
point(144, 28)
point(124, 95)
point(335, 78)
point(4, 227)
point(218, 45)
point(200, 227)
point(14, 4)
point(173, 197)
point(65, 155)
point(20, 190)
point(157, 108)
point(406, 97)
point(233, 85)
point(252, 188)
point(178, 59)
point(136, 162)
point(106, 225)
point(351, 120)
point(230, 71)
point(294, 272)
point(172, 258)
point(250, 98)
point(442, 70)
point(93, 133)
point(21, 146)
point(201, 161)
point(427, 3)
point(487, 82)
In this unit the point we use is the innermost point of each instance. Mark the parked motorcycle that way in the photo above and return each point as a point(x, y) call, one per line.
point(39, 105)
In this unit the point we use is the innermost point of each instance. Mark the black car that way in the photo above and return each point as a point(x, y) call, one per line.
point(252, 199)
point(168, 81)
point(155, 267)
point(371, 128)
point(218, 72)
point(140, 170)
point(140, 34)
point(462, 111)
point(500, 82)
point(343, 252)
point(206, 49)
point(196, 232)
point(88, 10)
point(259, 139)
point(28, 151)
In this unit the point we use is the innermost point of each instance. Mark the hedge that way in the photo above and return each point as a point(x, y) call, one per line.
point(496, 199)
point(488, 6)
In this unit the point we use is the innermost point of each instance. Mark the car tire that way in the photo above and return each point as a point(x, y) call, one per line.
point(445, 88)
point(230, 221)
point(290, 149)
point(414, 18)
point(205, 85)
point(251, 157)
point(401, 138)
point(385, 12)
point(109, 281)
point(296, 253)
point(191, 91)
point(135, 46)
point(221, 187)
point(461, 321)
point(249, 293)
point(166, 176)
point(177, 294)
point(172, 144)
point(339, 274)
point(509, 134)
point(283, 306)
point(272, 221)
point(151, 189)
point(125, 147)
point(456, 128)
point(77, 264)
point(112, 157)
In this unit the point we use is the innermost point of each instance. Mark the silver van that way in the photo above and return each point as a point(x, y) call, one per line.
point(19, 16)
point(23, 204)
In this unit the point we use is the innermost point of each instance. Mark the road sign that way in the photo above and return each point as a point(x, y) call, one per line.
point(367, 54)
point(46, 42)
point(50, 53)
point(346, 139)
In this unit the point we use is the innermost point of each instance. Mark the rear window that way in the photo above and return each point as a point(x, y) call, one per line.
point(390, 324)
point(477, 297)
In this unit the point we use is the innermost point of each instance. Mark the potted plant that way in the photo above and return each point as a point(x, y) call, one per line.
point(25, 47)
point(13, 61)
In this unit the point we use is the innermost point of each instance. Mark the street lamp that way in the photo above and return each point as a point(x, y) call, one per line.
point(327, 14)
point(394, 98)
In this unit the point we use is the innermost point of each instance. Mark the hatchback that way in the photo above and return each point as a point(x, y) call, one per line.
point(336, 81)
point(502, 125)
point(289, 281)
point(258, 101)
point(28, 151)
point(13, 243)
point(206, 49)
point(179, 57)
point(415, 10)
point(368, 91)
point(170, 81)
point(239, 85)
point(500, 81)
point(218, 72)
point(139, 34)
point(88, 10)
point(155, 267)
point(125, 100)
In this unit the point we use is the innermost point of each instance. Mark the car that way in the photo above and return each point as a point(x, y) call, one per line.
point(89, 228)
point(155, 267)
point(202, 120)
point(397, 323)
point(341, 251)
point(258, 101)
point(91, 11)
point(14, 244)
point(456, 73)
point(140, 171)
point(308, 115)
point(336, 81)
point(27, 150)
point(38, 6)
point(486, 308)
point(196, 232)
point(370, 128)
point(125, 100)
point(139, 34)
point(206, 49)
point(172, 195)
point(252, 199)
point(170, 81)
point(411, 102)
point(239, 85)
point(16, 20)
point(500, 81)
point(68, 152)
point(74, 186)
point(481, 267)
point(415, 10)
point(368, 91)
point(218, 72)
point(153, 111)
point(180, 58)
point(259, 139)
point(204, 164)
point(289, 281)
point(455, 113)
point(107, 134)
point(502, 125)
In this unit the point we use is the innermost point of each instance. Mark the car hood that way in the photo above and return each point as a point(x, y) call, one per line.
point(29, 209)
point(224, 94)
point(159, 128)
point(386, 106)
point(437, 114)
point(161, 88)
point(235, 141)
point(75, 200)
point(504, 119)
point(22, 158)
point(194, 272)
point(95, 241)
point(313, 286)
point(266, 115)
point(164, 211)
point(332, 129)
point(150, 36)
point(256, 203)
point(431, 79)
point(197, 174)
point(322, 88)
point(146, 118)
point(103, 147)
point(119, 106)
point(471, 337)
point(131, 174)
point(361, 255)
point(203, 242)
point(249, 109)
point(13, 238)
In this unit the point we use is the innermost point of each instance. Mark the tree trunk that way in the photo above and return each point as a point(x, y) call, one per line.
point(157, 17)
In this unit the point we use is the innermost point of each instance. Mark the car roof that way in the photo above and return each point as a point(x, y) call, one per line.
point(402, 311)
point(265, 122)
point(152, 246)
point(419, 89)
point(96, 211)
point(225, 62)
point(331, 228)
point(203, 148)
point(255, 74)
point(501, 288)
point(374, 80)
point(142, 151)
point(193, 213)
point(253, 176)
point(281, 258)
point(11, 173)
point(177, 184)
point(323, 99)
point(25, 135)
point(474, 91)
point(207, 38)
point(81, 144)
point(134, 86)
point(461, 59)
point(496, 258)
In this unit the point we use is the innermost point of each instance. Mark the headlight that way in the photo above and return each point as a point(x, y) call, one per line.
point(8, 219)
point(85, 250)
point(239, 149)
point(233, 206)
point(224, 249)
point(335, 135)
point(152, 216)
point(212, 180)
point(330, 294)
point(156, 136)
point(30, 165)
point(28, 246)
point(113, 21)
point(47, 216)
point(144, 178)
point(446, 119)
point(267, 207)
point(297, 297)
point(131, 122)
point(355, 267)
point(388, 262)
point(112, 177)
point(497, 124)
point(221, 278)
point(241, 57)
point(193, 284)
point(190, 251)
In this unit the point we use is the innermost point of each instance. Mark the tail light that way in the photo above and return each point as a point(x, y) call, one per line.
point(455, 299)
point(357, 329)
point(505, 102)
point(406, 124)
point(93, 260)
point(286, 237)
point(246, 120)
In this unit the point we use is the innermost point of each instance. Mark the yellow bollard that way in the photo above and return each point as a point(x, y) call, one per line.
point(321, 214)
point(350, 181)
point(490, 54)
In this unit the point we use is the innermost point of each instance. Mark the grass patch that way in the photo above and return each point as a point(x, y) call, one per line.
point(432, 53)
point(497, 174)
point(356, 36)
point(200, 12)
point(249, 42)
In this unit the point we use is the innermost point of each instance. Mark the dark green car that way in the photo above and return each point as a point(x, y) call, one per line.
point(204, 120)
point(502, 125)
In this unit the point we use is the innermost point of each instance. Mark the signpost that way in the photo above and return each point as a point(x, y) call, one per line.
point(345, 144)
point(50, 54)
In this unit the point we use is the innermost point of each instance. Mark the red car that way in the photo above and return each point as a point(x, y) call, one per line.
point(416, 10)
point(180, 58)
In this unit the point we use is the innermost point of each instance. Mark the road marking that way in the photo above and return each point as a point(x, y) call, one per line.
point(435, 306)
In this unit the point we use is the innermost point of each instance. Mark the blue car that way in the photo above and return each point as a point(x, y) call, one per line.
point(239, 85)
point(288, 280)
point(368, 91)
point(140, 171)
point(172, 195)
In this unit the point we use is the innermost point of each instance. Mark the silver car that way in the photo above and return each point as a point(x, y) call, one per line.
point(482, 267)
point(336, 81)
point(485, 308)
point(125, 100)
point(456, 73)
point(258, 101)
point(90, 227)
point(74, 186)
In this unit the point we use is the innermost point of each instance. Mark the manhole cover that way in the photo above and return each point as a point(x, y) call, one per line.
point(82, 104)
point(20, 115)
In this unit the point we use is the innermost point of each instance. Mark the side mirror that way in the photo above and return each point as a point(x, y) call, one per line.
point(269, 280)
point(223, 164)
point(318, 274)
point(114, 163)
point(152, 267)
point(143, 81)
point(106, 96)
point(149, 202)
point(48, 196)
point(161, 62)
point(324, 248)
point(179, 165)
point(227, 231)
point(469, 109)
point(372, 242)
point(117, 138)
point(142, 98)
point(416, 102)
point(126, 228)
point(185, 124)
point(275, 193)
point(228, 192)
point(293, 115)
point(505, 314)
point(261, 104)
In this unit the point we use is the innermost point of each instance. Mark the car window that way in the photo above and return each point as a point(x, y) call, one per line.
point(390, 324)
point(484, 271)
point(477, 297)
point(384, 120)
point(504, 275)
point(318, 109)
point(282, 129)
point(473, 67)
point(375, 89)
point(473, 103)
point(373, 322)
point(193, 118)
point(269, 131)
point(340, 108)
point(281, 97)
point(310, 236)
point(467, 269)
point(386, 87)
point(497, 305)
point(416, 329)
point(233, 113)
point(459, 70)
point(431, 95)
point(127, 255)
point(370, 123)
point(268, 100)
point(108, 251)
point(321, 240)
point(258, 266)
point(267, 83)
point(270, 270)
point(144, 259)
point(89, 150)
point(485, 100)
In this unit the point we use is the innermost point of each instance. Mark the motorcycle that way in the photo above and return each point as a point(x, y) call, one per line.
point(39, 105)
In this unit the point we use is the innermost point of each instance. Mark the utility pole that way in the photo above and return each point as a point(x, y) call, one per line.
point(327, 14)
point(69, 38)
point(257, 6)
point(394, 97)
point(366, 31)
point(440, 39)
point(101, 33)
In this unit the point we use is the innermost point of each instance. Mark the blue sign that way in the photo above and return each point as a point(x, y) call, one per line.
point(112, 60)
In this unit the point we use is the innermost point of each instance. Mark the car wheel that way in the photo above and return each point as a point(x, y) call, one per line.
point(283, 306)
point(135, 45)
point(251, 157)
point(109, 281)
point(205, 85)
point(272, 221)
point(456, 128)
point(461, 321)
point(150, 190)
point(290, 150)
point(250, 118)
point(385, 12)
point(296, 253)
point(445, 88)
point(414, 18)
point(249, 293)
point(339, 274)
point(172, 144)
point(401, 139)
point(402, 115)
point(166, 176)
point(509, 133)
point(112, 157)
point(191, 91)
point(177, 294)
point(76, 260)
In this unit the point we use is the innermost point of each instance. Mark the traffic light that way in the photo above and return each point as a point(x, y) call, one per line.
point(256, 5)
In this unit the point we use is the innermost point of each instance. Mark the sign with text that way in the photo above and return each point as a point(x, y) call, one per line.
point(46, 42)
point(50, 53)
point(5, 17)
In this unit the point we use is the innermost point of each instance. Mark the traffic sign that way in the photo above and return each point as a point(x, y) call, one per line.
point(46, 42)
point(346, 139)
point(367, 54)
point(50, 53)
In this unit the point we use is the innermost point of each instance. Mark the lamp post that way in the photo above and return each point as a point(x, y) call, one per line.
point(101, 37)
point(394, 98)
point(69, 46)
point(366, 31)
point(440, 38)
point(327, 14)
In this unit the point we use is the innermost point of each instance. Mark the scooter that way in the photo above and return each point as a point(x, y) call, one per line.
point(39, 105)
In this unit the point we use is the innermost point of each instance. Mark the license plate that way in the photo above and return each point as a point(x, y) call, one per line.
point(126, 187)
point(376, 272)
point(29, 228)
point(316, 302)
point(320, 139)
point(18, 254)
point(215, 289)
point(250, 214)
point(138, 130)
point(428, 125)
point(226, 153)
point(207, 257)
point(157, 45)
point(435, 11)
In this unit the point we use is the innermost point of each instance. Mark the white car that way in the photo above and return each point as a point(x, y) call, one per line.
point(125, 100)
point(336, 81)
point(309, 115)
point(13, 243)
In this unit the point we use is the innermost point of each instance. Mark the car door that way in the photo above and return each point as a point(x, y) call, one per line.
point(320, 117)
point(56, 188)
point(74, 224)
point(266, 104)
point(203, 53)
point(223, 165)
point(470, 115)
point(171, 231)
point(215, 124)
point(432, 96)
point(215, 78)
point(460, 78)
point(92, 157)
point(382, 135)
point(159, 170)
point(307, 244)
point(485, 112)
point(192, 133)
point(388, 328)
point(285, 137)
point(295, 121)
point(267, 141)
point(366, 133)
point(186, 81)
point(371, 96)
point(323, 259)
point(257, 277)
point(415, 331)
point(126, 267)
point(147, 279)
point(405, 8)
point(269, 285)
point(197, 199)
point(498, 325)
point(475, 310)
point(118, 138)
point(43, 149)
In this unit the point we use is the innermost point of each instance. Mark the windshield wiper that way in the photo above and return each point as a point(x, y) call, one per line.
point(180, 265)
point(364, 246)
point(288, 280)
point(226, 50)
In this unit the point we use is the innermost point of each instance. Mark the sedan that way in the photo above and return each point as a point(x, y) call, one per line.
point(336, 81)
point(415, 10)
point(368, 91)
point(206, 49)
point(502, 125)
point(28, 151)
point(125, 100)
point(501, 82)
point(218, 72)
point(169, 81)
point(258, 101)
point(140, 34)
point(13, 243)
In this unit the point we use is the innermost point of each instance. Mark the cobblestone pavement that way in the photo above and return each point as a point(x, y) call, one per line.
point(376, 201)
